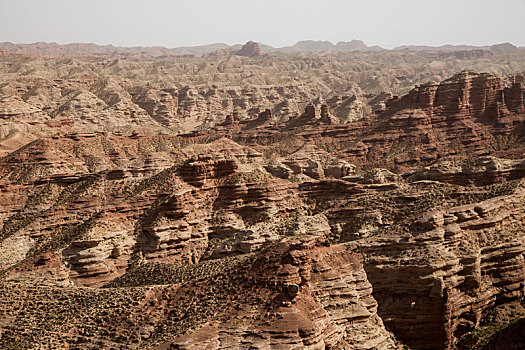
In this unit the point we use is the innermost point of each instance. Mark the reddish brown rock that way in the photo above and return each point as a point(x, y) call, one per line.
point(326, 118)
point(251, 232)
point(452, 270)
point(250, 49)
point(230, 120)
point(309, 305)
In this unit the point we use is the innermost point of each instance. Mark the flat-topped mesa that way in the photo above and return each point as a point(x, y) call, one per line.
point(250, 49)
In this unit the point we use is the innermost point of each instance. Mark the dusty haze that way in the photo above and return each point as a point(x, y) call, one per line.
point(277, 23)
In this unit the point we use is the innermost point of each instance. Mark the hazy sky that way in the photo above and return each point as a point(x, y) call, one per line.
point(387, 23)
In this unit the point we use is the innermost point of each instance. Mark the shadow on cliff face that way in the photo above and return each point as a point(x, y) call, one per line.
point(510, 338)
point(412, 310)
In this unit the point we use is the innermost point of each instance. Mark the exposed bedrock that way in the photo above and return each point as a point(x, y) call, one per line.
point(271, 229)
point(475, 171)
point(434, 283)
point(312, 296)
point(469, 112)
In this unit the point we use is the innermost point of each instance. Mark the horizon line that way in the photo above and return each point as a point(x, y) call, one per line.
point(260, 43)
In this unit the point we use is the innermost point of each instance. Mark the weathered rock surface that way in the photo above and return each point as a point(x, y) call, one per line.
point(318, 297)
point(435, 282)
point(468, 113)
point(216, 209)
point(250, 49)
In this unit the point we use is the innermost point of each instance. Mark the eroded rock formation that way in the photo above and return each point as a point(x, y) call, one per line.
point(171, 215)
point(316, 296)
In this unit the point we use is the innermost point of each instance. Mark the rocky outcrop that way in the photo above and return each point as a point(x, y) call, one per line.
point(297, 294)
point(325, 117)
point(310, 304)
point(313, 162)
point(479, 171)
point(250, 49)
point(204, 208)
point(511, 337)
point(466, 112)
point(100, 210)
point(11, 106)
point(309, 117)
point(162, 105)
point(198, 170)
point(189, 94)
point(264, 119)
point(229, 120)
point(454, 265)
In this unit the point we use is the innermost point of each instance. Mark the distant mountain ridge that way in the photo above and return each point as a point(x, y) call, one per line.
point(496, 47)
point(313, 45)
point(90, 49)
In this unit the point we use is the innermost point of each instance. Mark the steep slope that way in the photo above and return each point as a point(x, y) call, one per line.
point(402, 228)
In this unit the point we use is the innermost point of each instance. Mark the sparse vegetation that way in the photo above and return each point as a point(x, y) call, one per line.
point(135, 185)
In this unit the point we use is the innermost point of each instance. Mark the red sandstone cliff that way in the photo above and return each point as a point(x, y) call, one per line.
point(261, 231)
